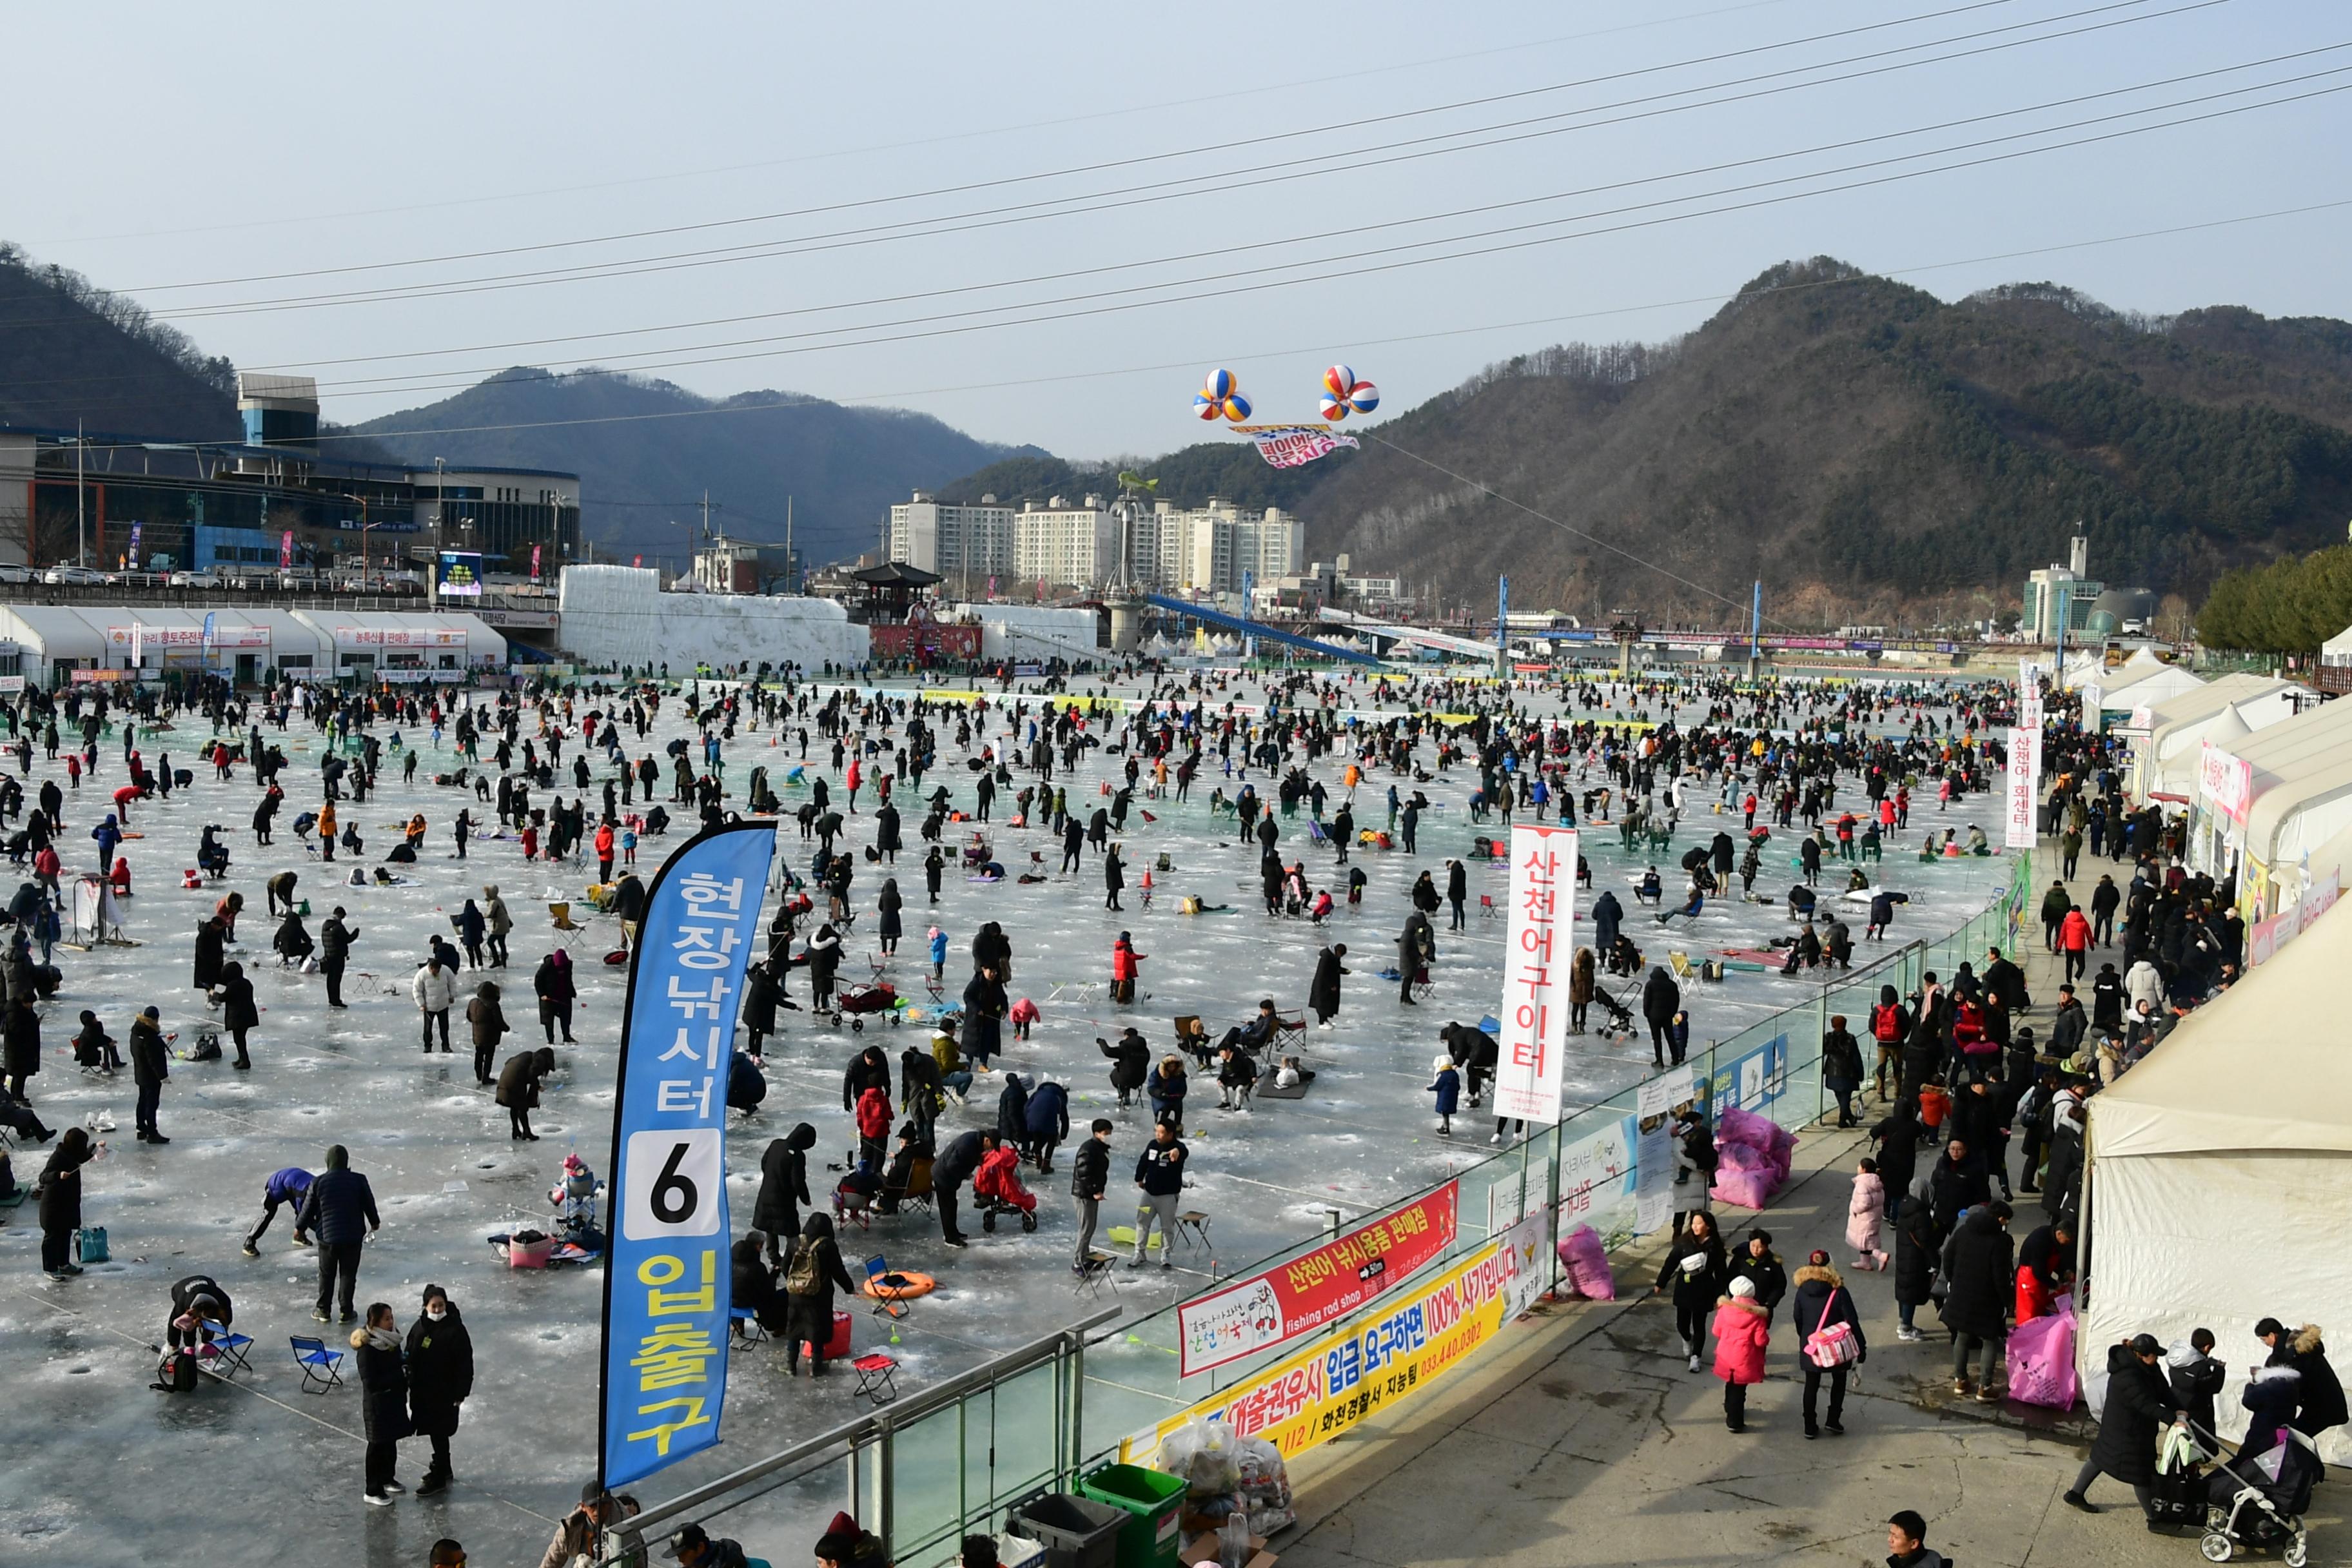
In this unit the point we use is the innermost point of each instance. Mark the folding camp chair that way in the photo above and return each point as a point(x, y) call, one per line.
point(560, 911)
point(1487, 910)
point(886, 1290)
point(877, 1371)
point(743, 1328)
point(321, 1368)
point(1101, 1269)
point(225, 1355)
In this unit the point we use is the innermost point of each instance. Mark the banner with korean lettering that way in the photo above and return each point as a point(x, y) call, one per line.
point(1318, 1288)
point(1538, 943)
point(1324, 1390)
point(2023, 785)
point(665, 1281)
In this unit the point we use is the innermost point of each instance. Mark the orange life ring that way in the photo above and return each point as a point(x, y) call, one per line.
point(913, 1285)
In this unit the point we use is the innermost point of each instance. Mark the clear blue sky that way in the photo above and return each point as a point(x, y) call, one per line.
point(175, 145)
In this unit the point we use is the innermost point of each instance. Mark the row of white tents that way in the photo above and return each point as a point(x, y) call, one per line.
point(2216, 1168)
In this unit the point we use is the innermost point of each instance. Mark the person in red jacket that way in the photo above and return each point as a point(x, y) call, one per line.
point(603, 852)
point(873, 1125)
point(2075, 941)
point(1743, 1329)
point(1125, 969)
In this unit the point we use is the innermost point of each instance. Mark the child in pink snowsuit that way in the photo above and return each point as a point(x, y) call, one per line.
point(1863, 1212)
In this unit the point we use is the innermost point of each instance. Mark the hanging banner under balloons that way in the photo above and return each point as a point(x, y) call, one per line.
point(1294, 446)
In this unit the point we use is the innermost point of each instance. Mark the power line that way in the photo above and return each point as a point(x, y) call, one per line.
point(398, 384)
point(1141, 159)
point(960, 135)
point(1150, 193)
point(1351, 345)
point(1322, 265)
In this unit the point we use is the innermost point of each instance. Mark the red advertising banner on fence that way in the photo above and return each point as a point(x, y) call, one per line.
point(1302, 1295)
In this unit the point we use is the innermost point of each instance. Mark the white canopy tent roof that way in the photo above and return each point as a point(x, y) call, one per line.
point(2337, 649)
point(2217, 1168)
point(2303, 784)
point(2141, 667)
point(2221, 712)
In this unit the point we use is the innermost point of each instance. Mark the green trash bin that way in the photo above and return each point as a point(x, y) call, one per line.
point(1156, 1502)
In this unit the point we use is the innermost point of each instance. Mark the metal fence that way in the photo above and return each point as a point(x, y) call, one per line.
point(924, 1471)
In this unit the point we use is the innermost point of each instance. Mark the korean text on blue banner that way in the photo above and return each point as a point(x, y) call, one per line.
point(665, 1284)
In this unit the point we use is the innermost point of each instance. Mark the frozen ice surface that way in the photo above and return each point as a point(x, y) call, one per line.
point(102, 1471)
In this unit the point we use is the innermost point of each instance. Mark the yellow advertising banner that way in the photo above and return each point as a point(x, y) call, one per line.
point(1313, 1397)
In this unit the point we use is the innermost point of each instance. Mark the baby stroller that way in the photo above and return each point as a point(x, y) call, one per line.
point(997, 1185)
point(865, 999)
point(2258, 1501)
point(1616, 1017)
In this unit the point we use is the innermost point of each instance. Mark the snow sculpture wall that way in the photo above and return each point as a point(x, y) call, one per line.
point(614, 616)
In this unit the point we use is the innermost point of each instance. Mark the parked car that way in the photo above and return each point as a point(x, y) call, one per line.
point(66, 576)
point(197, 580)
point(16, 574)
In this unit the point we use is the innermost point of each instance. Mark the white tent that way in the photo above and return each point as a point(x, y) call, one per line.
point(2224, 711)
point(2142, 667)
point(2217, 1168)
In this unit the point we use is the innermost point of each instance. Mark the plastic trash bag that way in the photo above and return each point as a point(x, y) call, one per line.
point(2041, 1360)
point(1586, 1262)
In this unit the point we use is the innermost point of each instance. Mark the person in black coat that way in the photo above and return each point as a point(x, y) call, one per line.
point(2195, 1379)
point(1661, 1000)
point(1761, 1266)
point(1089, 1180)
point(1323, 992)
point(1957, 1181)
point(440, 1377)
point(1698, 1272)
point(2321, 1401)
point(59, 1191)
point(1842, 1068)
point(869, 1069)
point(212, 937)
point(1897, 1140)
point(1917, 1244)
point(752, 1286)
point(149, 1069)
point(949, 1171)
point(808, 1314)
point(761, 995)
point(239, 1012)
point(20, 1046)
point(2139, 1403)
point(1608, 915)
point(383, 1399)
point(338, 1213)
point(518, 1088)
point(1822, 1299)
point(1980, 1284)
point(784, 1188)
point(1130, 1063)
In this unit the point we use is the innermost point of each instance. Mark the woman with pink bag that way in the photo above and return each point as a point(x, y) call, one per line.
point(1829, 1339)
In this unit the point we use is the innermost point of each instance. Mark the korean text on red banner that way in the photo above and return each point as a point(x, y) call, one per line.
point(1538, 946)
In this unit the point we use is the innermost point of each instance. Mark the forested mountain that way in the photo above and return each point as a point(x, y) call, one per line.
point(1869, 451)
point(646, 450)
point(70, 352)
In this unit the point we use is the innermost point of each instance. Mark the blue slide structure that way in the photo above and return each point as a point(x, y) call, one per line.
point(1258, 629)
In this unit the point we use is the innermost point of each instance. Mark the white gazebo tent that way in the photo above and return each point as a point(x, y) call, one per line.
point(2225, 712)
point(2216, 1171)
point(2144, 678)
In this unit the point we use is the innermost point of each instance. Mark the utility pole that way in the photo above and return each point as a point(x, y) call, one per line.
point(432, 566)
point(81, 525)
point(792, 568)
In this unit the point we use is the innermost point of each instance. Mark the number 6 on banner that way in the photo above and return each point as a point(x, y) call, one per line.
point(670, 1183)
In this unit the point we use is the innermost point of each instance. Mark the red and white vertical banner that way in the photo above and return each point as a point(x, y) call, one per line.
point(2024, 783)
point(1540, 942)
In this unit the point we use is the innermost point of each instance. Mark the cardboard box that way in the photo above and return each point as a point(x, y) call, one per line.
point(1204, 1549)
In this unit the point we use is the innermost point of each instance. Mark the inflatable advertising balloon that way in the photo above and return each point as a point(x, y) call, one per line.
point(1219, 398)
point(1344, 394)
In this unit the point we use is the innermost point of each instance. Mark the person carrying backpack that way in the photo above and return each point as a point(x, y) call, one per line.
point(1888, 1027)
point(811, 1277)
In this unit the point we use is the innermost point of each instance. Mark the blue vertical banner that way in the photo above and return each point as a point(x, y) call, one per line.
point(1502, 614)
point(665, 1281)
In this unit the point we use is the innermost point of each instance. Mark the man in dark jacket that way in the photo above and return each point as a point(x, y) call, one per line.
point(1048, 1123)
point(1608, 915)
point(1089, 1179)
point(1323, 993)
point(440, 1377)
point(1160, 1173)
point(2320, 1402)
point(784, 1188)
point(1980, 1281)
point(1957, 1181)
point(339, 1214)
point(2139, 1402)
point(869, 1069)
point(150, 1066)
point(949, 1171)
point(335, 941)
point(2005, 981)
point(1661, 1000)
point(1761, 1266)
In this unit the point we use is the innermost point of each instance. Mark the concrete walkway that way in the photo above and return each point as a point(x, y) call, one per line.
point(1583, 1438)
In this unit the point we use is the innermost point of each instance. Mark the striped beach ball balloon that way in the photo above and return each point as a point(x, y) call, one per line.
point(1206, 407)
point(1221, 384)
point(1334, 408)
point(1337, 380)
point(1363, 398)
point(1237, 407)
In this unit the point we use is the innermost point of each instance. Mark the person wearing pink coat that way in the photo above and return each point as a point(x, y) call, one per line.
point(1863, 1212)
point(1743, 1331)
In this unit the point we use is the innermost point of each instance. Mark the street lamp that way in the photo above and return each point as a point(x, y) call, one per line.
point(432, 566)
